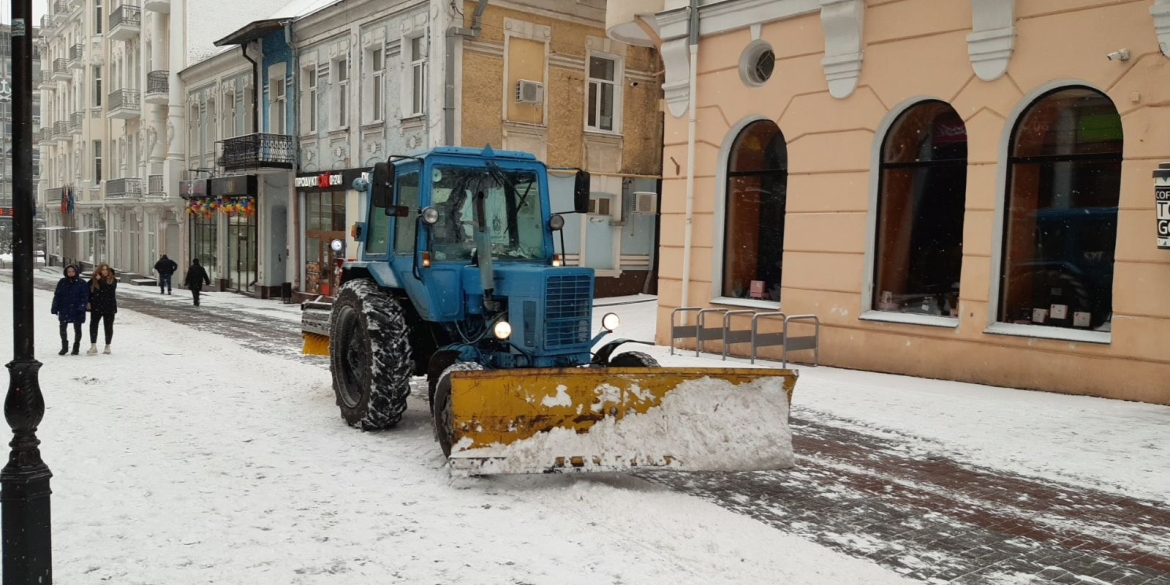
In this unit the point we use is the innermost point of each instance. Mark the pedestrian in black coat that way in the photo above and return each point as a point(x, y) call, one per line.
point(166, 268)
point(196, 278)
point(103, 303)
point(69, 303)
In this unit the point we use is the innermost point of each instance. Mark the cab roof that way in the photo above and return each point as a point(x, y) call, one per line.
point(484, 152)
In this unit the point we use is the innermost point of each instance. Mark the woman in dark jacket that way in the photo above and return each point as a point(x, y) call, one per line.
point(69, 301)
point(103, 304)
point(196, 278)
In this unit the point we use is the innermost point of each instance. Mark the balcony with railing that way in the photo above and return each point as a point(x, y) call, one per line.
point(60, 10)
point(45, 136)
point(46, 25)
point(125, 22)
point(61, 130)
point(77, 56)
point(258, 151)
point(124, 104)
point(163, 6)
point(155, 187)
point(61, 70)
point(123, 188)
point(75, 121)
point(158, 87)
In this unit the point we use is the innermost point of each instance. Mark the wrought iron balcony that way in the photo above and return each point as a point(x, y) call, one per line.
point(45, 135)
point(75, 121)
point(123, 188)
point(155, 188)
point(124, 104)
point(46, 25)
point(157, 87)
point(60, 10)
point(77, 56)
point(61, 130)
point(125, 22)
point(258, 151)
point(61, 70)
point(163, 6)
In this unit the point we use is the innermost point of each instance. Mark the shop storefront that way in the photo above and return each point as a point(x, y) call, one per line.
point(326, 200)
point(235, 199)
point(958, 204)
point(203, 225)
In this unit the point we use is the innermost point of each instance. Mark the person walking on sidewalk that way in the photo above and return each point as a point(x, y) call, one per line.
point(69, 302)
point(196, 278)
point(166, 268)
point(103, 304)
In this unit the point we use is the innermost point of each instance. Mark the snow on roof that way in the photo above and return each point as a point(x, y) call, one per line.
point(211, 20)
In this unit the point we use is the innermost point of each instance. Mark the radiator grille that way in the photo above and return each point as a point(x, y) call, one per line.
point(568, 310)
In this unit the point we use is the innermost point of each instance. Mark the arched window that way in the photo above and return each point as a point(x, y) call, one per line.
point(919, 249)
point(1060, 219)
point(757, 192)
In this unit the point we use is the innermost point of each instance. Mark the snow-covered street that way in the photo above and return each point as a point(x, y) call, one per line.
point(206, 450)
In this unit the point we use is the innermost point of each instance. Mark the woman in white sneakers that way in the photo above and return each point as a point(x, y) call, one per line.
point(103, 305)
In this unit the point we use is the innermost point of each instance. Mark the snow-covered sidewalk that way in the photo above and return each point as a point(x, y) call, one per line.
point(186, 458)
point(1117, 446)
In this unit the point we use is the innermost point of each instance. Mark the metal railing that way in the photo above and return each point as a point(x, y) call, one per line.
point(60, 65)
point(61, 129)
point(75, 121)
point(46, 134)
point(784, 338)
point(122, 188)
point(158, 82)
point(76, 52)
point(125, 98)
point(126, 14)
point(253, 151)
point(155, 186)
point(60, 8)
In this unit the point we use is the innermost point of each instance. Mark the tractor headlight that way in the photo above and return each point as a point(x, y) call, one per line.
point(502, 330)
point(610, 322)
point(430, 215)
point(556, 222)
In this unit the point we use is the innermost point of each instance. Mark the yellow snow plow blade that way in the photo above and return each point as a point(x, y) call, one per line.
point(315, 344)
point(315, 317)
point(608, 419)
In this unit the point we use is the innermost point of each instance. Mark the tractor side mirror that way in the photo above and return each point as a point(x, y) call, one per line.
point(382, 186)
point(581, 192)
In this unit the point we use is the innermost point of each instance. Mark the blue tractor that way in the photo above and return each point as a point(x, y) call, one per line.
point(458, 279)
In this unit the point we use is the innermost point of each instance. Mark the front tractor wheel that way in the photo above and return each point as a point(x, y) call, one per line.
point(633, 359)
point(369, 356)
point(441, 406)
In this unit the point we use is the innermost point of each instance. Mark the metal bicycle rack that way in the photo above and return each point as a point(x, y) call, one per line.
point(800, 343)
point(783, 338)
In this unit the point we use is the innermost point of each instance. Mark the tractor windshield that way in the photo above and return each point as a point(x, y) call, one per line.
point(511, 212)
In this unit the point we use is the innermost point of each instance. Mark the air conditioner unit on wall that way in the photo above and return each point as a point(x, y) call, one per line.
point(529, 92)
point(645, 202)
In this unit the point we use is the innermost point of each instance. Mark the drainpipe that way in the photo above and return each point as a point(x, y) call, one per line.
point(449, 84)
point(691, 124)
point(255, 89)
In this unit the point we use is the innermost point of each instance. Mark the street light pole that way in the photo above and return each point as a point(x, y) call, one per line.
point(24, 481)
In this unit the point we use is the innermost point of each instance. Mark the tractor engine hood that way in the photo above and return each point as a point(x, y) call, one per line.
point(550, 308)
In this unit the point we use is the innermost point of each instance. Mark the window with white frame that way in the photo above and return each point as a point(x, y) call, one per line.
point(416, 52)
point(341, 79)
point(97, 86)
point(604, 93)
point(279, 98)
point(229, 114)
point(310, 98)
point(97, 17)
point(209, 127)
point(375, 94)
point(97, 162)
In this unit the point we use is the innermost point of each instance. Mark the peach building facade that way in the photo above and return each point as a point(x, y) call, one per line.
point(959, 190)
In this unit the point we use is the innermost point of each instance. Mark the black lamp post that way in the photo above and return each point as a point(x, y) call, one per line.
point(24, 481)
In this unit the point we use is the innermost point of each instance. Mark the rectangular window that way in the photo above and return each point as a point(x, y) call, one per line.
point(97, 86)
point(278, 105)
point(408, 196)
point(418, 76)
point(97, 162)
point(341, 74)
point(311, 98)
point(97, 17)
point(377, 85)
point(604, 98)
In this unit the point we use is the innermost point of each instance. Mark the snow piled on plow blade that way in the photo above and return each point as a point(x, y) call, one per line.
point(577, 420)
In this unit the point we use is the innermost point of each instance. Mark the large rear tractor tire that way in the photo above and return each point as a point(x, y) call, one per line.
point(633, 359)
point(441, 406)
point(369, 356)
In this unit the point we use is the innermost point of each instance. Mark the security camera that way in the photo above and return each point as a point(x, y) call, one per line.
point(1122, 55)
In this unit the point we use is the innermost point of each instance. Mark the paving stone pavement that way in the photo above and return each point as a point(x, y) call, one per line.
point(926, 517)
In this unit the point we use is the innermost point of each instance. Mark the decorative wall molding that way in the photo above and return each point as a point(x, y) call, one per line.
point(992, 38)
point(676, 87)
point(1161, 12)
point(527, 30)
point(843, 22)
